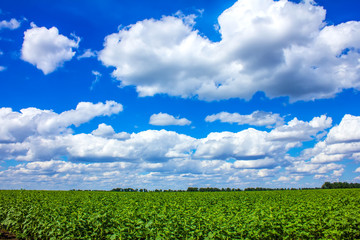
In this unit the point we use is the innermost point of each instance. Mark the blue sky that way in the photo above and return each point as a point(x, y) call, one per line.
point(172, 94)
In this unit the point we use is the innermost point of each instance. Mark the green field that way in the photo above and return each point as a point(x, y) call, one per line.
point(297, 214)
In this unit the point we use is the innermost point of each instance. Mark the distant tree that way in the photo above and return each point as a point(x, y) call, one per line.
point(335, 185)
point(192, 189)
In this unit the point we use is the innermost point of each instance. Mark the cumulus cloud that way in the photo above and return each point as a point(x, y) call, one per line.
point(297, 130)
point(288, 178)
point(11, 24)
point(165, 46)
point(326, 170)
point(54, 174)
point(164, 119)
point(107, 131)
point(257, 118)
point(44, 138)
point(46, 48)
point(33, 134)
point(342, 142)
point(279, 47)
point(357, 178)
point(246, 144)
point(146, 146)
point(252, 144)
point(57, 174)
point(264, 163)
point(103, 130)
point(325, 158)
point(29, 122)
point(347, 131)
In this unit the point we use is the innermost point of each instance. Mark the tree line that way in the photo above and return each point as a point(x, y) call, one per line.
point(334, 185)
point(326, 185)
point(207, 189)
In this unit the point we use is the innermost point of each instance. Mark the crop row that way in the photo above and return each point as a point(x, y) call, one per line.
point(312, 214)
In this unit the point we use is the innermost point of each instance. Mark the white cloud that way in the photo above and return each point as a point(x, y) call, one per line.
point(249, 148)
point(257, 118)
point(254, 144)
point(17, 126)
point(342, 142)
point(263, 163)
point(145, 146)
point(34, 134)
point(289, 178)
point(87, 54)
point(302, 167)
point(164, 119)
point(103, 130)
point(97, 78)
point(96, 73)
point(319, 176)
point(107, 131)
point(324, 158)
point(12, 24)
point(56, 174)
point(284, 179)
point(246, 144)
point(165, 46)
point(297, 130)
point(46, 48)
point(42, 137)
point(347, 131)
point(338, 173)
point(2, 68)
point(278, 47)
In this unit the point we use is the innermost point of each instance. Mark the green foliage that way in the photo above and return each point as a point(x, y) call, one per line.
point(315, 214)
point(336, 185)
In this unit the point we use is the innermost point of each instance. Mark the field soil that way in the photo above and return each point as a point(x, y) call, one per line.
point(4, 235)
